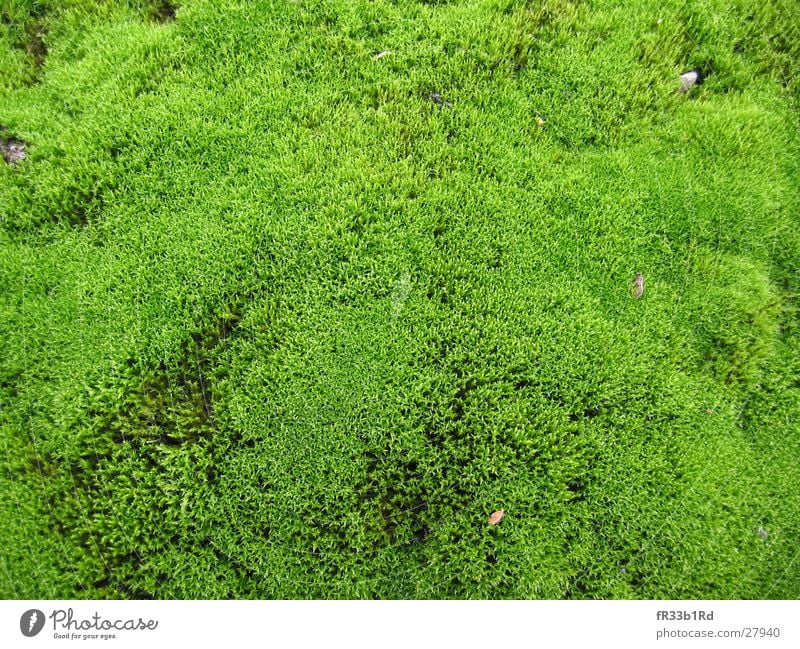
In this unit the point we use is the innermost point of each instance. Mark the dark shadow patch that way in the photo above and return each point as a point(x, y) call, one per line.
point(439, 291)
point(240, 569)
point(578, 588)
point(171, 405)
point(10, 382)
point(29, 34)
point(421, 534)
point(361, 222)
point(83, 204)
point(175, 404)
point(771, 41)
point(521, 29)
point(35, 45)
point(577, 489)
point(162, 11)
point(139, 424)
point(393, 488)
point(517, 58)
point(729, 358)
point(495, 258)
point(81, 200)
point(587, 413)
point(110, 588)
point(461, 398)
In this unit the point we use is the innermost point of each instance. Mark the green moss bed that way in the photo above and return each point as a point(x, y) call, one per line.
point(281, 318)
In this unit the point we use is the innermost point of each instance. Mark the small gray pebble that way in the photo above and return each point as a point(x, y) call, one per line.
point(13, 151)
point(436, 98)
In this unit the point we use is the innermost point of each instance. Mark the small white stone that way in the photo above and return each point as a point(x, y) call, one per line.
point(688, 79)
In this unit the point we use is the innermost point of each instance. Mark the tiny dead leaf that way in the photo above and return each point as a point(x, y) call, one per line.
point(637, 288)
point(497, 516)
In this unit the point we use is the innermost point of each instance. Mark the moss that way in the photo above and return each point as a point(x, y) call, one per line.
point(277, 325)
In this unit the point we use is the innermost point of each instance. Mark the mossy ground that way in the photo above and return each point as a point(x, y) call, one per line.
point(276, 325)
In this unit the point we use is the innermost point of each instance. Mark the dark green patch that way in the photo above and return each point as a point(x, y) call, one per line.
point(162, 10)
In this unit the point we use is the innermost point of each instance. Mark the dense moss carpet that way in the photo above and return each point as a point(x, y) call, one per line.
point(281, 317)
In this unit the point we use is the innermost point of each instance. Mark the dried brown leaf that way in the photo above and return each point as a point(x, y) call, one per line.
point(497, 516)
point(637, 288)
